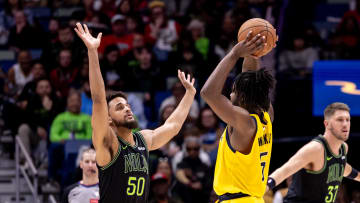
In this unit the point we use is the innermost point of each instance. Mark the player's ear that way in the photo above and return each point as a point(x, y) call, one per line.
point(326, 123)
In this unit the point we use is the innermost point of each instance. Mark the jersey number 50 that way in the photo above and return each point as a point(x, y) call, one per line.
point(135, 186)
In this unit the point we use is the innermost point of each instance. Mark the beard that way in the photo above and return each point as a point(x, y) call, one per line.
point(126, 124)
point(338, 135)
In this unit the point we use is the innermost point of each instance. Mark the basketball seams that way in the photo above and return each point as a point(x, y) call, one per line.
point(247, 29)
point(259, 26)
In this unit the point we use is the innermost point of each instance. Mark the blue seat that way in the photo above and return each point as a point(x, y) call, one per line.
point(35, 53)
point(6, 65)
point(73, 146)
point(41, 12)
point(159, 98)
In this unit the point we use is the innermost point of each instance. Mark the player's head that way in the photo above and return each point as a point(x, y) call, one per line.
point(251, 90)
point(337, 120)
point(88, 163)
point(120, 114)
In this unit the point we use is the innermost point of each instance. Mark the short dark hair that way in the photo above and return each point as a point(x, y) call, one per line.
point(110, 95)
point(336, 106)
point(252, 90)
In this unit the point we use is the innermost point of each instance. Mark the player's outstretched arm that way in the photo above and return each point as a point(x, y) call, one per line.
point(351, 173)
point(306, 155)
point(235, 116)
point(161, 135)
point(99, 119)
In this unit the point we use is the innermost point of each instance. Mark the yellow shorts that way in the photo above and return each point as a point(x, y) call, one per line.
point(246, 200)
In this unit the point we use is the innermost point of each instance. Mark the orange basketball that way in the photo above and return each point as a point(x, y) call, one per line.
point(262, 27)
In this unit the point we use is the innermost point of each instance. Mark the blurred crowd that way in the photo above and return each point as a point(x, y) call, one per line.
point(45, 94)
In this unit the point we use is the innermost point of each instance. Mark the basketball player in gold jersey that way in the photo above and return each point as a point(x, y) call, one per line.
point(244, 152)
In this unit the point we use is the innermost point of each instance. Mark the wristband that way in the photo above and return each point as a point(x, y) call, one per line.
point(271, 183)
point(354, 173)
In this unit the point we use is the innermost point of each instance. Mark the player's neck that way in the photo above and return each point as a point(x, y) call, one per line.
point(125, 134)
point(89, 180)
point(333, 142)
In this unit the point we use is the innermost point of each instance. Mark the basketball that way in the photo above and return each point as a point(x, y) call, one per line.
point(259, 26)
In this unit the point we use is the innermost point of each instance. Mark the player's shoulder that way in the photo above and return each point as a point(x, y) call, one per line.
point(313, 146)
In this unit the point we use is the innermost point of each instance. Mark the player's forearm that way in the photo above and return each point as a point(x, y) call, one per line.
point(96, 80)
point(279, 175)
point(214, 85)
point(250, 63)
point(177, 118)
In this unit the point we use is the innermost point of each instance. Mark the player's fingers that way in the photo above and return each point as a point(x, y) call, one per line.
point(253, 40)
point(78, 32)
point(188, 77)
point(193, 81)
point(80, 28)
point(86, 29)
point(248, 36)
point(259, 43)
point(99, 35)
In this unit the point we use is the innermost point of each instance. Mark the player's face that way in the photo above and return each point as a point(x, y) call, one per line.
point(339, 124)
point(121, 114)
point(88, 164)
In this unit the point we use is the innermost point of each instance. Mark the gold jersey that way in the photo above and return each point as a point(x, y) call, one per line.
point(236, 172)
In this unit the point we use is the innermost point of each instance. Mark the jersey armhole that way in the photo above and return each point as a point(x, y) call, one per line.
point(325, 161)
point(113, 160)
point(228, 137)
point(143, 140)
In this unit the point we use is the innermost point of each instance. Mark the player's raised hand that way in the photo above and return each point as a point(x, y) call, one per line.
point(90, 41)
point(187, 82)
point(249, 46)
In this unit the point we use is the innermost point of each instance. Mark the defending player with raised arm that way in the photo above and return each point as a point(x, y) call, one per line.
point(121, 155)
point(320, 165)
point(245, 147)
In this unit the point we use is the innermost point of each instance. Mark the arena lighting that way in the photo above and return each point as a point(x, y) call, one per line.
point(336, 81)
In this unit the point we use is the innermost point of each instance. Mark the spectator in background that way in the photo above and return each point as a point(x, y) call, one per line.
point(164, 167)
point(177, 94)
point(348, 33)
point(192, 174)
point(226, 39)
point(86, 101)
point(29, 90)
point(71, 124)
point(53, 28)
point(132, 57)
point(342, 195)
point(171, 148)
point(24, 36)
point(137, 105)
point(20, 73)
point(87, 189)
point(355, 197)
point(147, 75)
point(64, 76)
point(242, 12)
point(133, 24)
point(119, 36)
point(210, 129)
point(161, 32)
point(112, 69)
point(187, 57)
point(298, 61)
point(181, 155)
point(41, 109)
point(125, 8)
point(177, 8)
point(160, 189)
point(65, 41)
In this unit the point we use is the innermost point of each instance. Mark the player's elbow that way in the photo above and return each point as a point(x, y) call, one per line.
point(205, 93)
